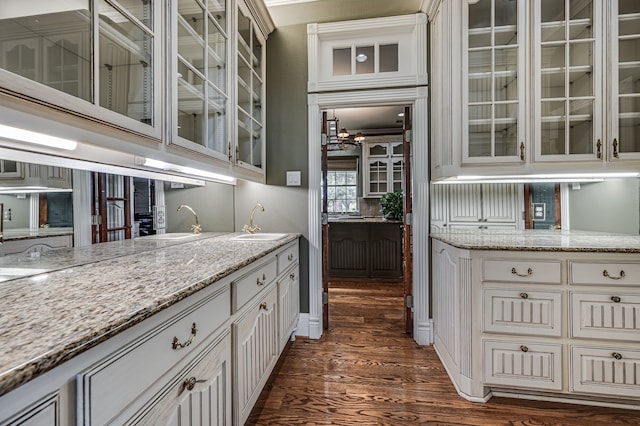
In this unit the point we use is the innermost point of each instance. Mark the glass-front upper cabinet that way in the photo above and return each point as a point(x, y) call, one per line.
point(568, 78)
point(625, 80)
point(201, 90)
point(101, 51)
point(384, 167)
point(495, 83)
point(250, 92)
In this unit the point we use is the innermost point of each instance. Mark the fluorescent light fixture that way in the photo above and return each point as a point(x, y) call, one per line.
point(542, 177)
point(28, 136)
point(29, 189)
point(157, 164)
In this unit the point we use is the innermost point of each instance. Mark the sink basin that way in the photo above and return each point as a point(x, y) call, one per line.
point(169, 236)
point(259, 237)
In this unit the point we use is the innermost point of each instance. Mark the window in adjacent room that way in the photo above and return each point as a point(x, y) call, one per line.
point(342, 191)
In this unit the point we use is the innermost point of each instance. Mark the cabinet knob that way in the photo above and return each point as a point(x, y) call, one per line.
point(522, 151)
point(514, 271)
point(176, 343)
point(524, 295)
point(290, 257)
point(615, 299)
point(263, 281)
point(619, 277)
point(616, 355)
point(523, 348)
point(190, 383)
point(292, 276)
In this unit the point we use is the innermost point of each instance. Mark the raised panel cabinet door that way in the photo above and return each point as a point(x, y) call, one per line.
point(613, 370)
point(499, 203)
point(45, 412)
point(385, 250)
point(606, 315)
point(465, 203)
point(522, 364)
point(523, 311)
point(288, 305)
point(200, 395)
point(256, 350)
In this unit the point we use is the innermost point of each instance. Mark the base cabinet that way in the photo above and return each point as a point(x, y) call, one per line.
point(35, 245)
point(538, 324)
point(202, 361)
point(256, 351)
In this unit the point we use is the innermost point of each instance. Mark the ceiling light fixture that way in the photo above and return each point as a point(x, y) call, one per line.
point(343, 133)
point(361, 57)
point(359, 137)
point(339, 140)
point(28, 136)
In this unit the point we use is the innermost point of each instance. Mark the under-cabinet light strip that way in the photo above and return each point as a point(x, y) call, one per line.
point(28, 136)
point(157, 164)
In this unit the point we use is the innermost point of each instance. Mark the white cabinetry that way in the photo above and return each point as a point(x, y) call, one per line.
point(384, 167)
point(544, 87)
point(538, 324)
point(35, 245)
point(475, 206)
point(18, 174)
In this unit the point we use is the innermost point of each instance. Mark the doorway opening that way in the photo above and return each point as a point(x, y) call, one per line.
point(366, 196)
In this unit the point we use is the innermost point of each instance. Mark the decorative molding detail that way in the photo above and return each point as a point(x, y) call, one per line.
point(34, 211)
point(261, 15)
point(302, 329)
point(423, 325)
point(466, 316)
point(370, 25)
point(363, 82)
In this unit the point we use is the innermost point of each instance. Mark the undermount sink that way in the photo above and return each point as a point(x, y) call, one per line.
point(259, 237)
point(169, 236)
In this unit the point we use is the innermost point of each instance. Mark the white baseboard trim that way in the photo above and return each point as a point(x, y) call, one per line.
point(303, 325)
point(423, 332)
point(631, 405)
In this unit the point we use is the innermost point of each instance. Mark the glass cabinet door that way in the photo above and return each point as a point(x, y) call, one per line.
point(567, 82)
point(625, 84)
point(202, 75)
point(249, 149)
point(495, 107)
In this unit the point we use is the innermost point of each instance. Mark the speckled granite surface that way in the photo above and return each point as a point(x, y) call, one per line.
point(27, 234)
point(540, 240)
point(49, 318)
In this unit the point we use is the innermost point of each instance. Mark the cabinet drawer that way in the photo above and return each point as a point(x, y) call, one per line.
point(116, 383)
point(515, 271)
point(623, 274)
point(522, 364)
point(200, 390)
point(248, 286)
point(605, 316)
point(611, 371)
point(522, 312)
point(287, 257)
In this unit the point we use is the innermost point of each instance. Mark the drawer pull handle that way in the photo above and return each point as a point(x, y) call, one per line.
point(524, 295)
point(523, 348)
point(290, 257)
point(616, 355)
point(176, 343)
point(615, 299)
point(292, 277)
point(606, 274)
point(263, 281)
point(263, 306)
point(190, 383)
point(515, 272)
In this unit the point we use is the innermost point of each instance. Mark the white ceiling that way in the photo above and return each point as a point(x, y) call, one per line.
point(370, 120)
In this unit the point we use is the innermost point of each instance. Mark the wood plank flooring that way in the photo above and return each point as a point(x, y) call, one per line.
point(366, 371)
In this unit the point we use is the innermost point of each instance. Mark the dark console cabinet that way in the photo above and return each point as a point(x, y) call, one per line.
point(365, 249)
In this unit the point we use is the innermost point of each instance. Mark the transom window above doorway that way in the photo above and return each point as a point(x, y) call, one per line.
point(365, 59)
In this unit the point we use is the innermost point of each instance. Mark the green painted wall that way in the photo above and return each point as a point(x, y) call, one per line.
point(20, 208)
point(213, 203)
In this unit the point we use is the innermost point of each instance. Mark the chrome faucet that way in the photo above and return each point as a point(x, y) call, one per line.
point(251, 228)
point(195, 228)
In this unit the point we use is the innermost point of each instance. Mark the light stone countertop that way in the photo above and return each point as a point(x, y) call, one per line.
point(28, 233)
point(49, 318)
point(540, 240)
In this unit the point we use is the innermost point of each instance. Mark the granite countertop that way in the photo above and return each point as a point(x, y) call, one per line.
point(540, 240)
point(361, 219)
point(92, 293)
point(28, 233)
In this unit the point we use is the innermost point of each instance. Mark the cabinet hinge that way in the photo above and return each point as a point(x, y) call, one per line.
point(408, 135)
point(408, 219)
point(324, 218)
point(325, 298)
point(323, 140)
point(409, 300)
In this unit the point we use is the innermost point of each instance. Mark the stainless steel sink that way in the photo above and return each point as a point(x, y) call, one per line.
point(259, 237)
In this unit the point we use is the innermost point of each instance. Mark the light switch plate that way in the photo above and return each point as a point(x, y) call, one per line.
point(293, 178)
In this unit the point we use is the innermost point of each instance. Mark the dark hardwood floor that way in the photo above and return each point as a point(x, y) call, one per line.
point(366, 371)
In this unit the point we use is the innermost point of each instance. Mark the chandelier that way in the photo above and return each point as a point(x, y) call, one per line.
point(339, 139)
